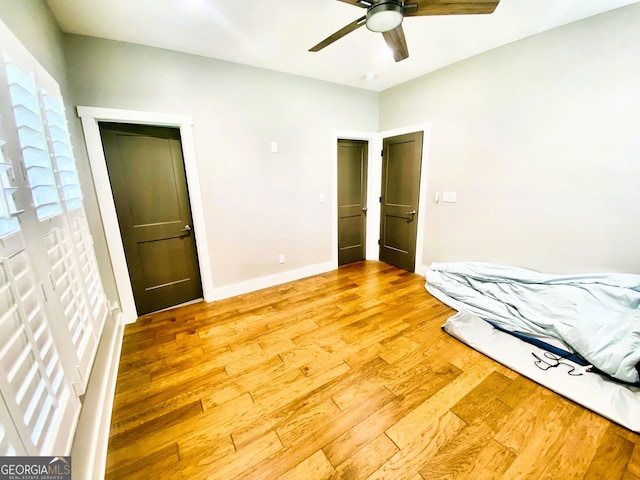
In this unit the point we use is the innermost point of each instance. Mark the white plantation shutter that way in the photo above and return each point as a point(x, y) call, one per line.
point(8, 210)
point(52, 303)
point(33, 142)
point(65, 165)
point(37, 149)
point(76, 242)
point(70, 292)
point(32, 378)
point(83, 243)
point(9, 437)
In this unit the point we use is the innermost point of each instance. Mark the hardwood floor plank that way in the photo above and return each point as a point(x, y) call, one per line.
point(196, 459)
point(312, 418)
point(634, 462)
point(280, 404)
point(232, 465)
point(315, 467)
point(424, 387)
point(363, 355)
point(413, 423)
point(460, 454)
point(346, 374)
point(310, 441)
point(491, 463)
point(366, 460)
point(481, 403)
point(544, 436)
point(396, 348)
point(484, 415)
point(414, 454)
point(612, 457)
point(162, 422)
point(578, 447)
point(148, 465)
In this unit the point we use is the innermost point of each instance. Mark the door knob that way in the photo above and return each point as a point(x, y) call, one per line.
point(364, 209)
point(412, 213)
point(187, 228)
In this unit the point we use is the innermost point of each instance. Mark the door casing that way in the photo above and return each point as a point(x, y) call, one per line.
point(400, 212)
point(146, 169)
point(352, 200)
point(374, 182)
point(90, 116)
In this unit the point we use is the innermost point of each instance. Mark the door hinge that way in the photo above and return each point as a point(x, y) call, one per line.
point(22, 171)
point(380, 199)
point(378, 241)
point(382, 153)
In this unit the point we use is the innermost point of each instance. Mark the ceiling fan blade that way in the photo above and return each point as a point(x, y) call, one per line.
point(359, 3)
point(397, 43)
point(339, 34)
point(449, 7)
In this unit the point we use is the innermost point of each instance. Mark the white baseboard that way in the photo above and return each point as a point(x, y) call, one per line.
point(272, 280)
point(422, 269)
point(89, 450)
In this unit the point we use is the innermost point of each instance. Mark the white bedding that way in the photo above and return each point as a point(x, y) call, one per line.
point(595, 315)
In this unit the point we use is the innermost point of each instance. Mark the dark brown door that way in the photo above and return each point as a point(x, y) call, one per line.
point(147, 176)
point(401, 164)
point(352, 200)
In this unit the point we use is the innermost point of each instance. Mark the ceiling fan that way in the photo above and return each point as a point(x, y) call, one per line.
point(385, 16)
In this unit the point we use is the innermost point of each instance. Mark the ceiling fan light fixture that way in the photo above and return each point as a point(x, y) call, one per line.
point(384, 16)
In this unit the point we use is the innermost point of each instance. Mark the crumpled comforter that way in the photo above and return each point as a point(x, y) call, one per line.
point(595, 315)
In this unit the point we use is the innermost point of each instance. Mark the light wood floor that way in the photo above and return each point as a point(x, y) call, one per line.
point(342, 375)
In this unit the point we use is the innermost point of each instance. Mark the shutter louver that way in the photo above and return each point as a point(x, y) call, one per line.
point(31, 373)
point(33, 142)
point(83, 243)
point(62, 152)
point(9, 438)
point(52, 302)
point(8, 221)
point(67, 281)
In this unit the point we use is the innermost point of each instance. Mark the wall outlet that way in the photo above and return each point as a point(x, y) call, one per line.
point(281, 258)
point(449, 197)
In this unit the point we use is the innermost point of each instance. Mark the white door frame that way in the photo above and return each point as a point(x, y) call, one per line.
point(374, 185)
point(90, 116)
point(374, 170)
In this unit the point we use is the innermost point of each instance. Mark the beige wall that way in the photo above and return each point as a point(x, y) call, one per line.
point(541, 141)
point(257, 203)
point(34, 25)
point(538, 138)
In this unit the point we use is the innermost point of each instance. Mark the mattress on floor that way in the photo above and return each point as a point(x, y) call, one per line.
point(614, 400)
point(594, 315)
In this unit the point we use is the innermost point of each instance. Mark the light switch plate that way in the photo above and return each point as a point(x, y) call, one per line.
point(449, 197)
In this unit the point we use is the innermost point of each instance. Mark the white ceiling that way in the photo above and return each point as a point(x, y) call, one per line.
point(276, 34)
